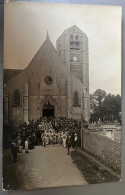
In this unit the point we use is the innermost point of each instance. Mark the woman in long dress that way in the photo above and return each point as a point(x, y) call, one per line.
point(26, 144)
point(64, 139)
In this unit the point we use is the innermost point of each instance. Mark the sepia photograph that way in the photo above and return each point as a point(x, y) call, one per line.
point(61, 95)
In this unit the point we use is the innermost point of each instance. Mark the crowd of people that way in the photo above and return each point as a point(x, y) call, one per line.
point(104, 119)
point(45, 131)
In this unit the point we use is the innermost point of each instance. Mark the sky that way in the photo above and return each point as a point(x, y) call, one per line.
point(26, 25)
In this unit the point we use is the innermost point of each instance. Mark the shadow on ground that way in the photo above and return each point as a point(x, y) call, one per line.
point(92, 172)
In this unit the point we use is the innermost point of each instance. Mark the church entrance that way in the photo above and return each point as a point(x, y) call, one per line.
point(48, 110)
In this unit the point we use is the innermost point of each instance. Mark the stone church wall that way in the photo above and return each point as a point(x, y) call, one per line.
point(16, 116)
point(46, 62)
point(33, 107)
point(15, 113)
point(63, 104)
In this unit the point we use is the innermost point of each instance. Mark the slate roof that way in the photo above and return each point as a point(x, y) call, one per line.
point(9, 73)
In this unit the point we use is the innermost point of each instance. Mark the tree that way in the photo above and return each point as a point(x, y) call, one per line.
point(111, 105)
point(102, 105)
point(96, 100)
point(99, 95)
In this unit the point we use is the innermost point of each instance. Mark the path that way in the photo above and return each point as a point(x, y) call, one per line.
point(42, 167)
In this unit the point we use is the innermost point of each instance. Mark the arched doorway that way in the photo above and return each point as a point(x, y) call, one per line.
point(48, 109)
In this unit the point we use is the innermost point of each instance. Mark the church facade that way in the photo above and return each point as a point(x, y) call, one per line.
point(55, 83)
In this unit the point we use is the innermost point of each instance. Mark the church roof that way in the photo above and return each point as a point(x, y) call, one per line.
point(73, 28)
point(47, 46)
point(9, 73)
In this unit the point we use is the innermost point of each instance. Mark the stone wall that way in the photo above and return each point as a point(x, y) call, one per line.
point(105, 149)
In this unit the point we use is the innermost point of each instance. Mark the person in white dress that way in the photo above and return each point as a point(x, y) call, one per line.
point(64, 139)
point(26, 145)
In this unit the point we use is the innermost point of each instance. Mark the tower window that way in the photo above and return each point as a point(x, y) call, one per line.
point(76, 37)
point(74, 45)
point(71, 45)
point(77, 44)
point(16, 97)
point(71, 37)
point(76, 99)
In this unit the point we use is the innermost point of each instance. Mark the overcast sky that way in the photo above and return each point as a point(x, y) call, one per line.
point(27, 23)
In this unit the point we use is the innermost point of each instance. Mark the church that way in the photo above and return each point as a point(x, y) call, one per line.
point(55, 83)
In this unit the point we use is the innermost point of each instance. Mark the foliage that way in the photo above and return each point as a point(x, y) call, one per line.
point(104, 105)
point(96, 99)
point(99, 96)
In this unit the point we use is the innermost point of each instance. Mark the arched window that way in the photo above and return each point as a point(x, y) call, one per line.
point(16, 97)
point(76, 99)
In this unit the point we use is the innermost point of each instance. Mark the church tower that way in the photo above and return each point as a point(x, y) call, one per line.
point(72, 47)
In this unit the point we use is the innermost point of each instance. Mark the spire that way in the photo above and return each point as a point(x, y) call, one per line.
point(47, 36)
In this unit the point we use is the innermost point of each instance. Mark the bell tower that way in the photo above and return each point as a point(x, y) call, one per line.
point(72, 47)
